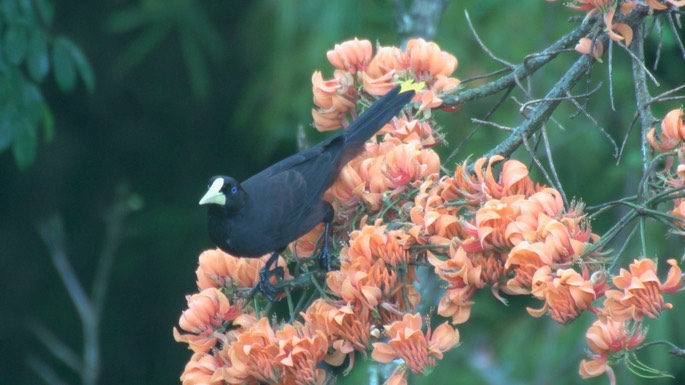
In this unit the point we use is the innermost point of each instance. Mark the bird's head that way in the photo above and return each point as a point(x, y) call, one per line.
point(225, 192)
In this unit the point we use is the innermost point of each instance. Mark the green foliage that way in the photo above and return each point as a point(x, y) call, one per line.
point(156, 20)
point(29, 51)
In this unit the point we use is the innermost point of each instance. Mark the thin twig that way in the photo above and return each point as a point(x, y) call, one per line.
point(494, 108)
point(44, 371)
point(544, 110)
point(482, 45)
point(493, 124)
point(638, 44)
point(557, 182)
point(662, 96)
point(521, 71)
point(610, 75)
point(59, 349)
point(676, 34)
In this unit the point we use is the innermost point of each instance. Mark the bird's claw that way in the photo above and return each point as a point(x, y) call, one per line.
point(265, 286)
point(325, 259)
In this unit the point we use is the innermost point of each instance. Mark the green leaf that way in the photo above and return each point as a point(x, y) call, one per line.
point(48, 124)
point(78, 61)
point(195, 61)
point(9, 10)
point(63, 66)
point(83, 67)
point(143, 44)
point(31, 102)
point(131, 18)
point(24, 146)
point(26, 10)
point(6, 130)
point(15, 44)
point(37, 60)
point(46, 10)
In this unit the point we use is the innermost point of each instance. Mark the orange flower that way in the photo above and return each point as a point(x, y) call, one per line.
point(468, 269)
point(640, 291)
point(525, 259)
point(587, 46)
point(428, 60)
point(382, 167)
point(435, 221)
point(381, 73)
point(672, 132)
point(411, 131)
point(491, 223)
point(306, 245)
point(352, 55)
point(253, 355)
point(656, 5)
point(301, 349)
point(608, 9)
point(213, 268)
point(405, 164)
point(220, 269)
point(607, 339)
point(200, 370)
point(207, 311)
point(387, 60)
point(376, 242)
point(349, 189)
point(408, 342)
point(566, 294)
point(679, 211)
point(334, 98)
point(456, 303)
point(429, 101)
point(347, 328)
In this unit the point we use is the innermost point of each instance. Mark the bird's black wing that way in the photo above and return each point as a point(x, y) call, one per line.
point(317, 166)
point(300, 157)
point(285, 205)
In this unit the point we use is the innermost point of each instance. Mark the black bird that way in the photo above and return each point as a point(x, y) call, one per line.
point(283, 202)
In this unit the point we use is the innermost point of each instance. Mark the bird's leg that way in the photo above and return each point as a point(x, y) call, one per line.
point(265, 286)
point(325, 253)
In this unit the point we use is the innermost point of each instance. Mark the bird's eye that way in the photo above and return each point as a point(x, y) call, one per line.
point(234, 190)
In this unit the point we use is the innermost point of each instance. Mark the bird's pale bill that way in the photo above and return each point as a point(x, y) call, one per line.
point(214, 194)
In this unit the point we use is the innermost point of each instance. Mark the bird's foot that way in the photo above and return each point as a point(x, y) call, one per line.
point(270, 291)
point(325, 259)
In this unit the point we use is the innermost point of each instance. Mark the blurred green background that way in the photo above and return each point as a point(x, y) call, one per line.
point(159, 95)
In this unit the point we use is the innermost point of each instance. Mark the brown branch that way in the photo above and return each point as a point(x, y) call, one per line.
point(421, 20)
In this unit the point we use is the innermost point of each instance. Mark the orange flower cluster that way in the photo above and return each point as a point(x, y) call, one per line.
point(637, 292)
point(507, 233)
point(640, 292)
point(369, 273)
point(375, 285)
point(207, 311)
point(376, 291)
point(403, 157)
point(615, 31)
point(388, 167)
point(357, 70)
point(672, 138)
point(418, 350)
point(232, 347)
point(219, 269)
point(672, 133)
point(609, 340)
point(659, 6)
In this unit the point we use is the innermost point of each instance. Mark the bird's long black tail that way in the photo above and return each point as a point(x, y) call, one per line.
point(375, 117)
